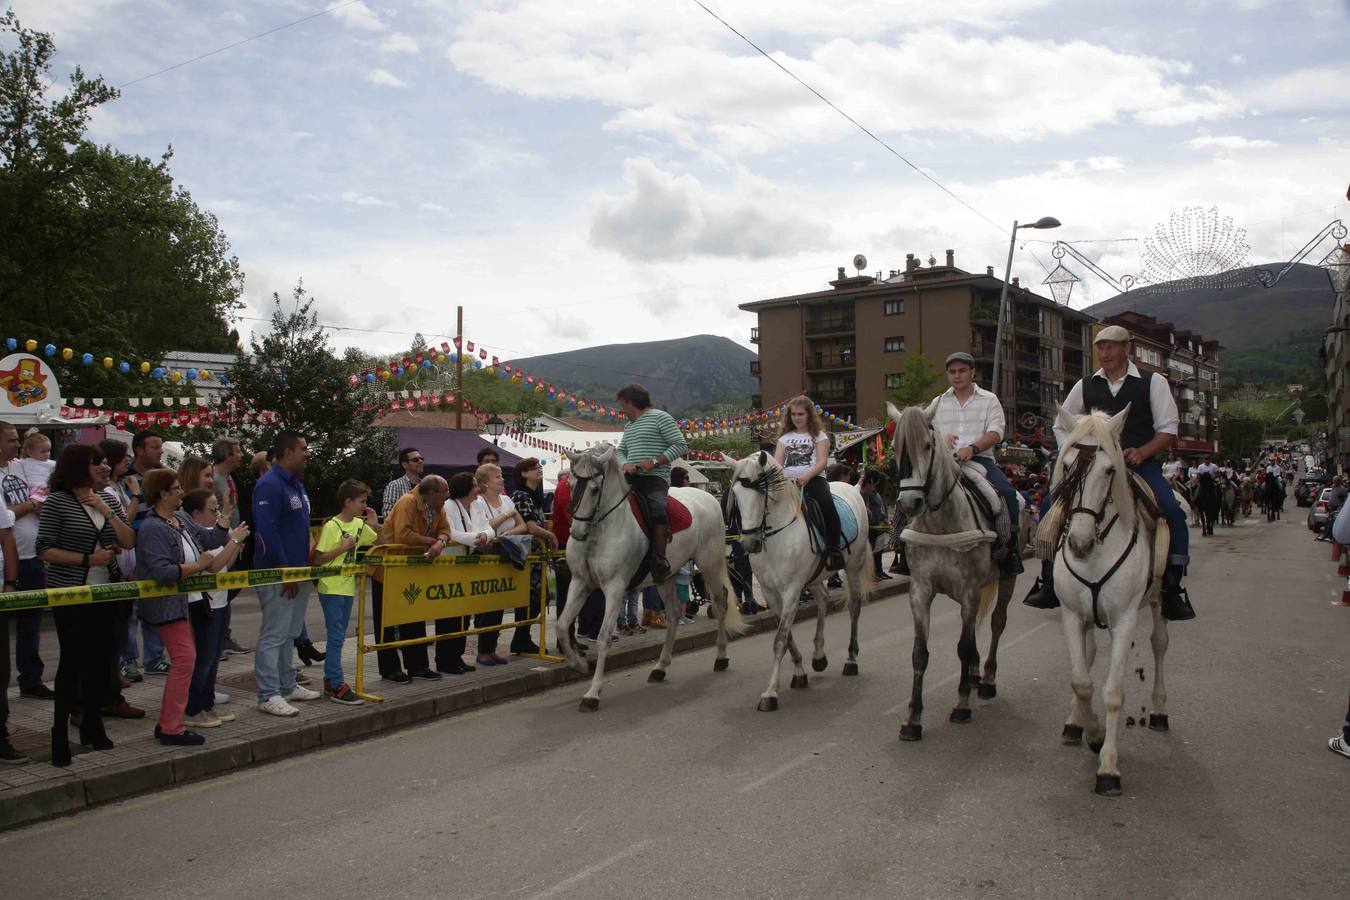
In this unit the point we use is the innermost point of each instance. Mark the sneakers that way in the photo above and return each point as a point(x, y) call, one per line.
point(221, 698)
point(1340, 745)
point(9, 755)
point(275, 706)
point(158, 667)
point(130, 672)
point(186, 739)
point(229, 646)
point(300, 692)
point(343, 694)
point(202, 719)
point(222, 716)
point(687, 620)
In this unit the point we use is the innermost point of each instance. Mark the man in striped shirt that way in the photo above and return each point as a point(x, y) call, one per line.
point(651, 441)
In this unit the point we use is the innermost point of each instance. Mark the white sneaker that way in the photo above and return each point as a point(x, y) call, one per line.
point(222, 716)
point(202, 719)
point(222, 699)
point(275, 706)
point(300, 692)
point(1338, 744)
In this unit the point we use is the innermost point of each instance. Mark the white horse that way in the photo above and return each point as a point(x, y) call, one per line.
point(607, 545)
point(1104, 574)
point(947, 546)
point(775, 535)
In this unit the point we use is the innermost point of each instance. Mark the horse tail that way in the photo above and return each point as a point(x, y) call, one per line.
point(729, 611)
point(988, 594)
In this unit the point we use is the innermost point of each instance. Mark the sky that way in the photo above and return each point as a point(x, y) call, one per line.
point(576, 174)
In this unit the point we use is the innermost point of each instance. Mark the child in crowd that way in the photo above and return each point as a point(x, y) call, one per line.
point(352, 528)
point(683, 578)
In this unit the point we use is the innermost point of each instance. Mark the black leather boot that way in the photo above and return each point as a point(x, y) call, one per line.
point(900, 565)
point(1012, 560)
point(1176, 604)
point(660, 566)
point(92, 733)
point(1042, 594)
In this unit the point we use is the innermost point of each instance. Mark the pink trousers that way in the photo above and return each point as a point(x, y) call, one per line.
point(177, 638)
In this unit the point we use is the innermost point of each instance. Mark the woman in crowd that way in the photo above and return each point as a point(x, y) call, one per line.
point(203, 526)
point(529, 502)
point(803, 450)
point(471, 532)
point(167, 551)
point(78, 538)
point(195, 473)
point(876, 515)
point(496, 510)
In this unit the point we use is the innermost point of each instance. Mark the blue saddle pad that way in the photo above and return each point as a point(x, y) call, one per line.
point(848, 523)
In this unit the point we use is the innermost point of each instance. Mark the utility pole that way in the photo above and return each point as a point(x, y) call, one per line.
point(459, 368)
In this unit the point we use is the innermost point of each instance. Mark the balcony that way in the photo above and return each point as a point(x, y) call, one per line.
point(1029, 395)
point(1028, 359)
point(984, 312)
point(835, 398)
point(754, 335)
point(754, 367)
point(829, 362)
point(1073, 336)
point(1030, 324)
point(834, 325)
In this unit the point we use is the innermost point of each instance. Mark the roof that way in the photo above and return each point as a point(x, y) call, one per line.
point(440, 418)
point(448, 450)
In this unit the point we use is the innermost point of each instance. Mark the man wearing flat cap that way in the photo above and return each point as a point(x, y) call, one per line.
point(1150, 429)
point(972, 419)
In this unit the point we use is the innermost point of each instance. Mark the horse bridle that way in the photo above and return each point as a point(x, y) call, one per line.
point(905, 466)
point(1075, 485)
point(761, 486)
point(581, 483)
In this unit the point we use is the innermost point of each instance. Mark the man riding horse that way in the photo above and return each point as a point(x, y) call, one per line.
point(651, 442)
point(1150, 428)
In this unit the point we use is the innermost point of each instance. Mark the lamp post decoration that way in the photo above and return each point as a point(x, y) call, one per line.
point(1043, 222)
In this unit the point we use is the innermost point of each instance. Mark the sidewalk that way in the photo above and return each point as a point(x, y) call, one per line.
point(37, 790)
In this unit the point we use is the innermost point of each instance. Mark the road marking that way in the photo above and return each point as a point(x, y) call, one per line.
point(590, 870)
point(784, 769)
point(957, 674)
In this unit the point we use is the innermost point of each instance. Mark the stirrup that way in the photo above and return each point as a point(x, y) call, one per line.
point(834, 561)
point(1175, 604)
point(659, 568)
point(1042, 595)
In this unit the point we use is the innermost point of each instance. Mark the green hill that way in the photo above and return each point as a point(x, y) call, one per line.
point(686, 375)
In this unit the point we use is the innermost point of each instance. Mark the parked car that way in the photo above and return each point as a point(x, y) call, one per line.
point(1307, 489)
point(1317, 515)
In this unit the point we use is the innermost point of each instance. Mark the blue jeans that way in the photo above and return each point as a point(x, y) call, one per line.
point(1179, 546)
point(1003, 487)
point(154, 647)
point(27, 625)
point(628, 614)
point(282, 620)
point(337, 612)
point(207, 637)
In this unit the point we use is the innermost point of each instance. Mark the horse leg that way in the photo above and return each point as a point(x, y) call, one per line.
point(590, 702)
point(727, 615)
point(855, 591)
point(672, 605)
point(998, 620)
point(921, 605)
point(798, 673)
point(968, 655)
point(818, 660)
point(1157, 716)
point(1082, 646)
point(786, 608)
point(577, 592)
point(1113, 696)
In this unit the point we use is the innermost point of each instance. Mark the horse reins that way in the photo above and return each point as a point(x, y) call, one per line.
point(905, 465)
point(592, 519)
point(1073, 486)
point(761, 486)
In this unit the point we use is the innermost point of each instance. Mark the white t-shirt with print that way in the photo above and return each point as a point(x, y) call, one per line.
point(799, 452)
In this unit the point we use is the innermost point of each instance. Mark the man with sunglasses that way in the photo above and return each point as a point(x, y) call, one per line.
point(410, 458)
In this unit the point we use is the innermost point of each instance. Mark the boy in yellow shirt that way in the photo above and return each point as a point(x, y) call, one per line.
point(350, 529)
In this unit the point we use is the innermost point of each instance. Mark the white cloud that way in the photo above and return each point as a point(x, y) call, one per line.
point(398, 43)
point(667, 216)
point(1228, 142)
point(427, 206)
point(358, 17)
point(386, 78)
point(1072, 167)
point(356, 198)
point(1312, 88)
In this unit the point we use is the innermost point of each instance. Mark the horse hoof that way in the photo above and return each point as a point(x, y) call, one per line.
point(1157, 722)
point(657, 675)
point(767, 704)
point(1108, 785)
point(720, 665)
point(911, 732)
point(1096, 746)
point(850, 668)
point(1072, 734)
point(798, 682)
point(820, 665)
point(986, 691)
point(960, 716)
point(589, 704)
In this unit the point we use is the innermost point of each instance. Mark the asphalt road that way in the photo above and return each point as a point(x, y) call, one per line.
point(683, 790)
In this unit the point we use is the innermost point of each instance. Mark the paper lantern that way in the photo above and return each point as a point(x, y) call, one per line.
point(67, 354)
point(50, 349)
point(399, 371)
point(124, 367)
point(30, 345)
point(192, 374)
point(87, 359)
point(11, 344)
point(107, 362)
point(175, 376)
point(370, 378)
point(440, 358)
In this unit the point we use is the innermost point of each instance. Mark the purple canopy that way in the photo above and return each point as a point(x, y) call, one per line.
point(448, 451)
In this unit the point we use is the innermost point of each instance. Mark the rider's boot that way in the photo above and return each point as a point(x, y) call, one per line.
point(834, 560)
point(900, 565)
point(660, 567)
point(1176, 604)
point(1042, 594)
point(1011, 564)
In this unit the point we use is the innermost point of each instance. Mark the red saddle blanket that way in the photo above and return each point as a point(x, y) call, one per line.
point(678, 514)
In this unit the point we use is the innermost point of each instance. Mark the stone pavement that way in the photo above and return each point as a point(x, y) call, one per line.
point(138, 763)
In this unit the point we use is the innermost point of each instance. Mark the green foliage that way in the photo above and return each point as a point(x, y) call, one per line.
point(293, 371)
point(99, 251)
point(738, 443)
point(1240, 434)
point(920, 381)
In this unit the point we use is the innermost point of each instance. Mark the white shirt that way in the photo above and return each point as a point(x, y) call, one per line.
point(15, 489)
point(6, 521)
point(466, 525)
point(1171, 469)
point(488, 513)
point(799, 452)
point(981, 413)
point(1209, 467)
point(1165, 415)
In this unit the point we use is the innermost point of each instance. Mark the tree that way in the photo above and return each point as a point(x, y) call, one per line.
point(920, 381)
point(99, 250)
point(293, 371)
point(1240, 435)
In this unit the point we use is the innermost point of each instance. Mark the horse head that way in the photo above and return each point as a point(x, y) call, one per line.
point(591, 469)
point(920, 455)
point(754, 480)
point(1091, 475)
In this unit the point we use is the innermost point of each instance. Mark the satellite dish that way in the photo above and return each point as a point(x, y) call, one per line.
point(859, 262)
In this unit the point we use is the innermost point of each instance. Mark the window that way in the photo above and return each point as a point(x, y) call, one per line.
point(893, 307)
point(894, 345)
point(893, 381)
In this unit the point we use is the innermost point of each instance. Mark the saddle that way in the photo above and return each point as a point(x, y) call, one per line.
point(1146, 506)
point(815, 518)
point(677, 514)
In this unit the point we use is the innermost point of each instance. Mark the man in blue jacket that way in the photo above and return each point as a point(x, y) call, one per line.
point(281, 540)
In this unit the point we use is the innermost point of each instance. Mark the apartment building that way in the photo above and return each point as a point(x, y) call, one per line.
point(845, 346)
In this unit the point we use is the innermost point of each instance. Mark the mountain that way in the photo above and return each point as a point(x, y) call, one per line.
point(685, 375)
point(1266, 333)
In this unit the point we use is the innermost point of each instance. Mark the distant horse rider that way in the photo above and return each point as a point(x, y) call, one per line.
point(1150, 428)
point(651, 442)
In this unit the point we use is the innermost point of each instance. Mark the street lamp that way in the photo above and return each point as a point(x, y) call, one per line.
point(495, 427)
point(1043, 222)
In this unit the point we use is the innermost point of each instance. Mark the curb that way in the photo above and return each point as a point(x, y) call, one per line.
point(54, 797)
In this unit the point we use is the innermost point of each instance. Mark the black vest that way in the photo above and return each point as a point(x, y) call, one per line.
point(1135, 391)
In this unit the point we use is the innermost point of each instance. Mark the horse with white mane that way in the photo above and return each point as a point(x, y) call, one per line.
point(947, 544)
point(1107, 565)
point(607, 545)
point(778, 539)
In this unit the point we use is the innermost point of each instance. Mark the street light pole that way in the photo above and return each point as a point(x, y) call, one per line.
point(1043, 222)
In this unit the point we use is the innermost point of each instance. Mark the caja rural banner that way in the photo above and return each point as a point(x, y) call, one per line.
point(420, 593)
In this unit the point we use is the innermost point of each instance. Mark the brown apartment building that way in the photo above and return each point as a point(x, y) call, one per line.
point(845, 346)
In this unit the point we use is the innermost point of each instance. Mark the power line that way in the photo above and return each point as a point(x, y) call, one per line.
point(188, 62)
point(939, 185)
